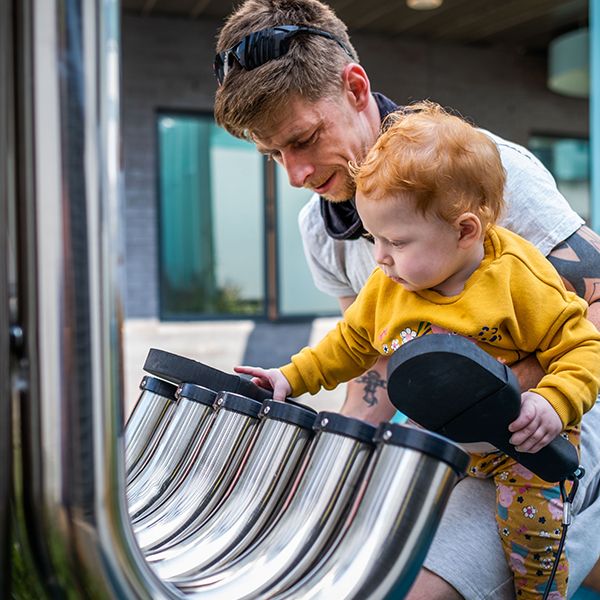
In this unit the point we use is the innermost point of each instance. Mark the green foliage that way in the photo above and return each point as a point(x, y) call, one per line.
point(198, 300)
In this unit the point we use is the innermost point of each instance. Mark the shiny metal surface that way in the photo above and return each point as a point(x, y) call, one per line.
point(176, 478)
point(203, 486)
point(388, 532)
point(300, 532)
point(71, 411)
point(191, 421)
point(265, 476)
point(145, 429)
point(7, 283)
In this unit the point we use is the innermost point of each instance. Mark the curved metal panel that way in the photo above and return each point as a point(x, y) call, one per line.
point(141, 512)
point(72, 412)
point(388, 532)
point(299, 533)
point(267, 473)
point(6, 284)
point(189, 425)
point(208, 479)
point(145, 429)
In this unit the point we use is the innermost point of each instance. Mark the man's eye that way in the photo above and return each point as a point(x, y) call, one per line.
point(309, 141)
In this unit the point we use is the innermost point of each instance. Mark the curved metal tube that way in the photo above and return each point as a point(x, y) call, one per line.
point(190, 422)
point(274, 457)
point(145, 429)
point(300, 531)
point(205, 483)
point(72, 411)
point(177, 478)
point(390, 530)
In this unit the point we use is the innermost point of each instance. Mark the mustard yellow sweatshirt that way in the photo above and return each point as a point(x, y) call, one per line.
point(513, 305)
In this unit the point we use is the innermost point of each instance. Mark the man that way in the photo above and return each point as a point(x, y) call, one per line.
point(294, 86)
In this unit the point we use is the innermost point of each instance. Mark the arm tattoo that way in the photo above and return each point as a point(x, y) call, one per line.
point(577, 260)
point(372, 380)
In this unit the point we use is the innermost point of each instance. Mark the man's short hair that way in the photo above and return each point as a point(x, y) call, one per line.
point(312, 67)
point(444, 163)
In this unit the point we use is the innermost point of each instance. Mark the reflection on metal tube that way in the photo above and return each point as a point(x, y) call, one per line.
point(301, 531)
point(147, 425)
point(6, 284)
point(71, 310)
point(393, 521)
point(210, 474)
point(188, 427)
point(274, 457)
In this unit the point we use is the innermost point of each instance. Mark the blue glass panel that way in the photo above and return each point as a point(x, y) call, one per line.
point(210, 221)
point(568, 159)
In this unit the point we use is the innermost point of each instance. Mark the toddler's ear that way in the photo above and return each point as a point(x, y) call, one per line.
point(469, 229)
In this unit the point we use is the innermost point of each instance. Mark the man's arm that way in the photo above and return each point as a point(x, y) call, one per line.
point(577, 260)
point(366, 396)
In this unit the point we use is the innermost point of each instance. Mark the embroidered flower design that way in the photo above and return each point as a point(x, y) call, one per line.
point(407, 335)
point(489, 334)
point(529, 511)
point(395, 344)
point(503, 476)
point(546, 563)
point(386, 348)
point(506, 531)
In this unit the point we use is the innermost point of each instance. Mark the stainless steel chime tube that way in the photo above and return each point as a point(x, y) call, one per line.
point(189, 425)
point(389, 530)
point(281, 440)
point(310, 516)
point(209, 475)
point(148, 421)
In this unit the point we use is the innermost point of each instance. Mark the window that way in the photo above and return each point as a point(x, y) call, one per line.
point(298, 295)
point(214, 247)
point(210, 221)
point(568, 159)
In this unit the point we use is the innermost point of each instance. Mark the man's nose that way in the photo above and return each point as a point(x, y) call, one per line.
point(299, 169)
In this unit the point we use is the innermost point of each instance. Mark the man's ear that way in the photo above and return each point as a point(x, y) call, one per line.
point(356, 85)
point(469, 229)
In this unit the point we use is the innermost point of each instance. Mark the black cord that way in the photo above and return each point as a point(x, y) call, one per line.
point(567, 503)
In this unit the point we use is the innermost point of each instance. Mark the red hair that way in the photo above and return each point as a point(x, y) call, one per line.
point(437, 159)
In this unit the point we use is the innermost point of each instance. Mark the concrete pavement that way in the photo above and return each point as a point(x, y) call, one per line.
point(222, 344)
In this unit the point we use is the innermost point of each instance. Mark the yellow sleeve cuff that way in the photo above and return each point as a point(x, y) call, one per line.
point(565, 410)
point(291, 373)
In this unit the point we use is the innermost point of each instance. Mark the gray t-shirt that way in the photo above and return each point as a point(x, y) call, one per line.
point(535, 209)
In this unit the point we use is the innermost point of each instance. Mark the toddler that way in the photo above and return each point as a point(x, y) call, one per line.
point(429, 193)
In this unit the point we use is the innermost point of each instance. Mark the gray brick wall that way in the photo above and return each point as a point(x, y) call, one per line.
point(167, 64)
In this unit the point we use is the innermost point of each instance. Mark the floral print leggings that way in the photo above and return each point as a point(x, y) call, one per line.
point(529, 517)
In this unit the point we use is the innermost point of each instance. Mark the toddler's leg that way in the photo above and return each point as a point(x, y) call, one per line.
point(529, 518)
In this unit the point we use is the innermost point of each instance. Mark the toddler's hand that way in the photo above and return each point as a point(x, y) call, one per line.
point(269, 379)
point(537, 424)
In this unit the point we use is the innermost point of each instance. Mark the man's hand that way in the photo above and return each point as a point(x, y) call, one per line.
point(537, 424)
point(269, 379)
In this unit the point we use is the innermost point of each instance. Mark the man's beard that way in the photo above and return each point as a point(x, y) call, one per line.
point(344, 191)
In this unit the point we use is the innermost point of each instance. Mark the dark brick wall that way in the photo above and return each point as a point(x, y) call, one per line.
point(167, 63)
